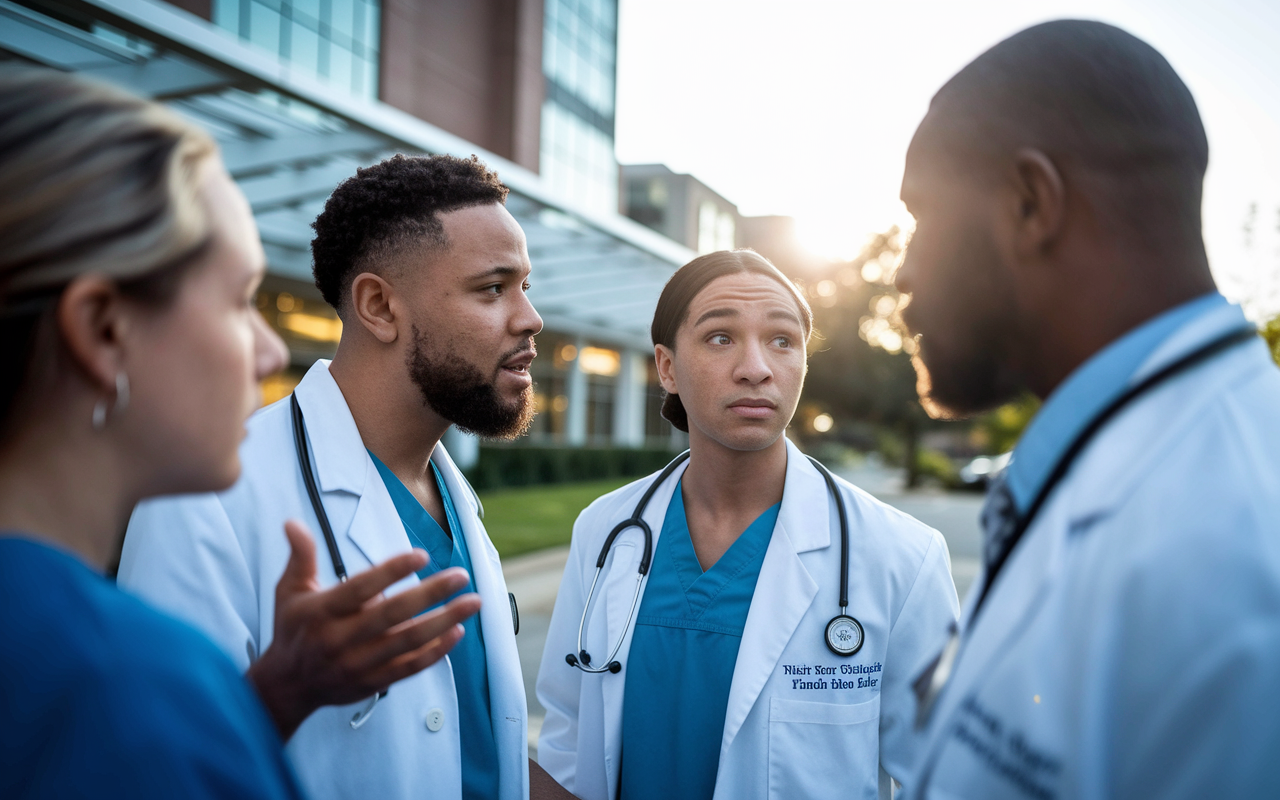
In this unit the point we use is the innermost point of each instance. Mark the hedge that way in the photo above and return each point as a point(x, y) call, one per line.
point(525, 466)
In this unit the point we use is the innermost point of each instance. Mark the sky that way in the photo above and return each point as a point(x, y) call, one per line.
point(806, 108)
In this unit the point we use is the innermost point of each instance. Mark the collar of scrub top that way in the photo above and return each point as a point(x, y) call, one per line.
point(323, 399)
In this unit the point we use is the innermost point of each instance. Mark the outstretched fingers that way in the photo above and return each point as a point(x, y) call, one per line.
point(430, 630)
point(348, 598)
point(382, 615)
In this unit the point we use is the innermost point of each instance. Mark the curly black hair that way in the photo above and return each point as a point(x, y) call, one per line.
point(383, 206)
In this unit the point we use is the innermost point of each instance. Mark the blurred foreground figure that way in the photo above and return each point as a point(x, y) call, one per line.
point(131, 353)
point(1124, 640)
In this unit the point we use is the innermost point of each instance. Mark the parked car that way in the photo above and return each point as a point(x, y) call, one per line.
point(979, 472)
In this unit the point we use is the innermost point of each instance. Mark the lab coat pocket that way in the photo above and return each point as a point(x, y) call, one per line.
point(823, 749)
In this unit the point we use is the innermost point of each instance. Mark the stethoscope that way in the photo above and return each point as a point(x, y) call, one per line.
point(340, 567)
point(844, 634)
point(934, 679)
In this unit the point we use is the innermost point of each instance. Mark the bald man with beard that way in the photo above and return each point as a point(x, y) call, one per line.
point(1123, 640)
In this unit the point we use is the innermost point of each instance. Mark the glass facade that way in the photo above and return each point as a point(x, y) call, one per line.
point(550, 373)
point(579, 64)
point(333, 40)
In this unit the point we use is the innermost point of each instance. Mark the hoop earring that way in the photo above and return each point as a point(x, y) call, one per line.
point(122, 393)
point(121, 402)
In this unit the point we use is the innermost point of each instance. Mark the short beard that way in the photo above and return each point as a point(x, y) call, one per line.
point(960, 391)
point(963, 360)
point(458, 391)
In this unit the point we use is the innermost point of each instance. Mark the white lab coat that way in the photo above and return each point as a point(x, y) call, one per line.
point(1130, 648)
point(779, 741)
point(214, 560)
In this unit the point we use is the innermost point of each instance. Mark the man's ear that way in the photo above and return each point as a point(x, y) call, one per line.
point(371, 305)
point(91, 322)
point(1039, 202)
point(665, 358)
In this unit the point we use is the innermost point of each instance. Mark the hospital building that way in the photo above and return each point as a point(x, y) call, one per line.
point(299, 93)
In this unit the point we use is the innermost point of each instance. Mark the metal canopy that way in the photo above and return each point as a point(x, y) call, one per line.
point(289, 139)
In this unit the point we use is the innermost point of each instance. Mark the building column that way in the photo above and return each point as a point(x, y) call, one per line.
point(575, 422)
point(628, 416)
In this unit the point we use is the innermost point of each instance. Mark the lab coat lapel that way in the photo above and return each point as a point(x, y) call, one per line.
point(619, 579)
point(343, 468)
point(784, 591)
point(1014, 599)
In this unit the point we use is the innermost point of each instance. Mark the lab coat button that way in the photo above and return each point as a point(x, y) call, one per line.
point(434, 720)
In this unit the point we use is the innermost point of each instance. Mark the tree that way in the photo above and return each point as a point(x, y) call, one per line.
point(860, 363)
point(860, 366)
point(1271, 332)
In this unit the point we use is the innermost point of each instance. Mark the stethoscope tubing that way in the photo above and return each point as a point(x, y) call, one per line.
point(938, 675)
point(582, 659)
point(331, 542)
point(1069, 456)
point(313, 492)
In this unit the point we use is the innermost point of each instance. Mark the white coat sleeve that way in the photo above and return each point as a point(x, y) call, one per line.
point(559, 686)
point(917, 636)
point(182, 555)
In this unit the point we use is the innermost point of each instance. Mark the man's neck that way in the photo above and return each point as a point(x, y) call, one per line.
point(394, 420)
point(725, 490)
point(1076, 325)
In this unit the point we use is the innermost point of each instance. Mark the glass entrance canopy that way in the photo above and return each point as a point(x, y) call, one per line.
point(288, 141)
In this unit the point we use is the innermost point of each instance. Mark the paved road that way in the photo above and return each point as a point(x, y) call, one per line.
point(535, 578)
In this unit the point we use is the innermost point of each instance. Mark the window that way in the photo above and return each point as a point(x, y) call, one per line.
point(716, 228)
point(550, 372)
point(335, 41)
point(600, 401)
point(580, 67)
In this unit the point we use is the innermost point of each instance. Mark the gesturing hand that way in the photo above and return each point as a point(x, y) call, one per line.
point(343, 644)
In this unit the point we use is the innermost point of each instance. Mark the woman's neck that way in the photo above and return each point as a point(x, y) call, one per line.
point(725, 490)
point(64, 489)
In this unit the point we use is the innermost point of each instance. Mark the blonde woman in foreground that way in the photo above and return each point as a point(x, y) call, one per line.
point(131, 353)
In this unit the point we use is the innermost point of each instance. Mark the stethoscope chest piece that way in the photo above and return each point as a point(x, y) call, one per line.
point(844, 635)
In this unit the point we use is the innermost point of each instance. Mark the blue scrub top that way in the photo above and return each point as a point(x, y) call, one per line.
point(103, 696)
point(470, 667)
point(682, 656)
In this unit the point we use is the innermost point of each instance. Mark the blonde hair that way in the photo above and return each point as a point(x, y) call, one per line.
point(92, 181)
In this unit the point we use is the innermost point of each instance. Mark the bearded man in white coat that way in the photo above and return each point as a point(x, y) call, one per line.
point(428, 272)
point(1124, 638)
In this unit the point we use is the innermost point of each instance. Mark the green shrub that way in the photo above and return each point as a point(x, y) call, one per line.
point(933, 464)
point(527, 466)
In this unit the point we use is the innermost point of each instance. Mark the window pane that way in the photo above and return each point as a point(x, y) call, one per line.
point(342, 17)
point(340, 67)
point(304, 48)
point(226, 14)
point(307, 11)
point(264, 27)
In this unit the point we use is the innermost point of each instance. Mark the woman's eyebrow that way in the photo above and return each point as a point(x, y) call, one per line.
point(716, 312)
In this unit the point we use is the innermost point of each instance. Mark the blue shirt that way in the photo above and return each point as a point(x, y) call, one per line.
point(470, 667)
point(1086, 392)
point(103, 696)
point(682, 658)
